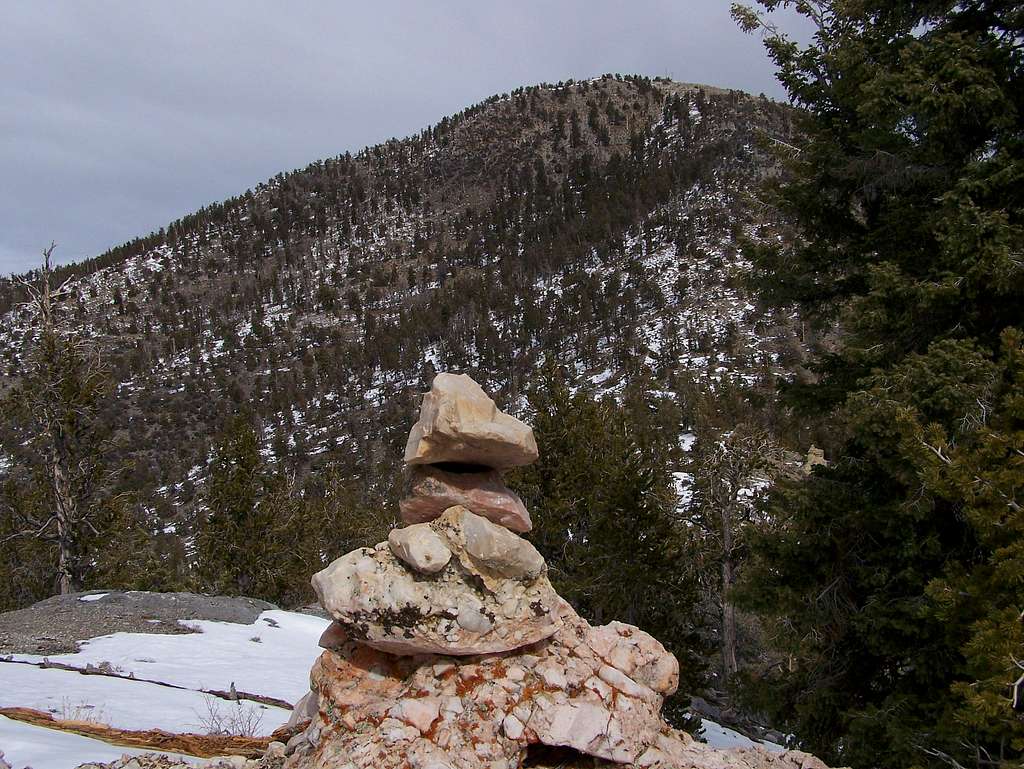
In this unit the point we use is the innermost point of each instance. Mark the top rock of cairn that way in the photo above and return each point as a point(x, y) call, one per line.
point(460, 424)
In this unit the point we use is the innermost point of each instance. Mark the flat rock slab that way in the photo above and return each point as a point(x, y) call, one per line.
point(460, 423)
point(492, 595)
point(56, 625)
point(432, 490)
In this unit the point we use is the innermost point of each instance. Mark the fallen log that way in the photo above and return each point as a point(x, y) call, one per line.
point(198, 745)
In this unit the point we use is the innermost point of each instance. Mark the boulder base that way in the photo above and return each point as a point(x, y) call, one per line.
point(597, 691)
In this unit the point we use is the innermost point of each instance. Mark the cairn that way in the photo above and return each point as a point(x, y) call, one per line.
point(450, 649)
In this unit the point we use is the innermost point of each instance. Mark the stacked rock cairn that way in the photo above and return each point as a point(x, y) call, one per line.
point(451, 650)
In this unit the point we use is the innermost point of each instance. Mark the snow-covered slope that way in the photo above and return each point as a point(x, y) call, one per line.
point(24, 745)
point(271, 657)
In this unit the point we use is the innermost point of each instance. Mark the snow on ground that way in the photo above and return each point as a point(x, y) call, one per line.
point(276, 665)
point(102, 699)
point(684, 489)
point(25, 745)
point(271, 657)
point(719, 736)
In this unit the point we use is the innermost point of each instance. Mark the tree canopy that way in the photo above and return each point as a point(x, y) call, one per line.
point(894, 577)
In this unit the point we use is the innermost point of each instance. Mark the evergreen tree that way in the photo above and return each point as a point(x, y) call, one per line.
point(233, 540)
point(907, 191)
point(131, 555)
point(59, 438)
point(603, 510)
point(728, 468)
point(263, 535)
point(983, 597)
point(26, 563)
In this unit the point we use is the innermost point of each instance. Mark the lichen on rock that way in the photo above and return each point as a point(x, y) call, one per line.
point(493, 598)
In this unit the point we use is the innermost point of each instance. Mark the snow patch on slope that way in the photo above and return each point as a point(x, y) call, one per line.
point(25, 745)
point(271, 657)
point(217, 655)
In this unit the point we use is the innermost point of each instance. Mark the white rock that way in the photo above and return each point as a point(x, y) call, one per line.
point(460, 609)
point(498, 549)
point(460, 423)
point(420, 547)
point(512, 727)
point(471, 616)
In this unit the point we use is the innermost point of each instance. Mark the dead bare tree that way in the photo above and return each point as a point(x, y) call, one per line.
point(56, 402)
point(730, 470)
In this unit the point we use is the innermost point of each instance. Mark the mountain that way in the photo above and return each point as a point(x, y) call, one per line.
point(595, 223)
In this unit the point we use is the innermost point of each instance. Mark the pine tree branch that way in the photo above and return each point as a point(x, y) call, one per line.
point(29, 533)
point(1011, 502)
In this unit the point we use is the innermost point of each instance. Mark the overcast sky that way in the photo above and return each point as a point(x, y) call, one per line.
point(119, 117)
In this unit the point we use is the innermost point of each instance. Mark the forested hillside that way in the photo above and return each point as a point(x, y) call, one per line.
point(594, 224)
point(892, 578)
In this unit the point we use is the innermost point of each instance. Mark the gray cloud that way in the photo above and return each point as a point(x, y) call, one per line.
point(119, 117)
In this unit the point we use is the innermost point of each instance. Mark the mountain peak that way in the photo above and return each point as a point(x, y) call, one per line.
point(595, 223)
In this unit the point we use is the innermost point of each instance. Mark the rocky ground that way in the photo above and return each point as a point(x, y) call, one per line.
point(58, 624)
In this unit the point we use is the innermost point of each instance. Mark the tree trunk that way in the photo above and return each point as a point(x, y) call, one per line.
point(64, 384)
point(66, 517)
point(729, 665)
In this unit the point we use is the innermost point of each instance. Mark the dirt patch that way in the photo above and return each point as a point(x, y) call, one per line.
point(55, 626)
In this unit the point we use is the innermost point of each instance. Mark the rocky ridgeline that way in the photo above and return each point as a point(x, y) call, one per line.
point(450, 649)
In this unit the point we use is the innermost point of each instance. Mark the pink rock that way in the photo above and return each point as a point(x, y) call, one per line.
point(333, 637)
point(420, 713)
point(636, 654)
point(433, 490)
point(585, 726)
point(304, 711)
point(379, 710)
point(619, 681)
